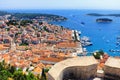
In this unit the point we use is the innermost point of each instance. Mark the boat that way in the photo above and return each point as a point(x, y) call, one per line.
point(85, 41)
point(86, 44)
point(85, 38)
point(111, 50)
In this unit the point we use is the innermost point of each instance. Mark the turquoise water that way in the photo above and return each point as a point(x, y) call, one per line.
point(102, 35)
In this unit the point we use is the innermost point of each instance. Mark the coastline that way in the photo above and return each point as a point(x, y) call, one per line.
point(42, 45)
point(89, 28)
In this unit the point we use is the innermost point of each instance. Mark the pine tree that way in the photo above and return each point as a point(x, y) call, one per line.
point(43, 76)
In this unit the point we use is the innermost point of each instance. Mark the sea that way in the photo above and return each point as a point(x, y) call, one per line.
point(102, 35)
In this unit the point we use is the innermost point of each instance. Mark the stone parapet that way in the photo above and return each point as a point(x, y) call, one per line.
point(112, 69)
point(82, 68)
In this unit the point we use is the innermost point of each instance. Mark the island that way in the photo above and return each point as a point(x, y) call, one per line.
point(103, 20)
point(98, 14)
point(33, 16)
point(95, 14)
point(38, 16)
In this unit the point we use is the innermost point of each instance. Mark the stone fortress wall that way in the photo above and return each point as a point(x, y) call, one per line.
point(112, 69)
point(84, 68)
point(75, 68)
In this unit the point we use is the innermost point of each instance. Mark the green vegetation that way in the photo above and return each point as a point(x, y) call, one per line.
point(43, 76)
point(8, 29)
point(19, 75)
point(98, 14)
point(27, 16)
point(45, 28)
point(40, 23)
point(46, 70)
point(16, 34)
point(33, 16)
point(26, 48)
point(99, 53)
point(23, 44)
point(12, 22)
point(25, 22)
point(8, 72)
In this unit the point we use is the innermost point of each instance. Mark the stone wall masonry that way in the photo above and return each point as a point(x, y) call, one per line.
point(82, 68)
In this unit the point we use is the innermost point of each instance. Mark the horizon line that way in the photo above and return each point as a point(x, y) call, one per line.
point(57, 9)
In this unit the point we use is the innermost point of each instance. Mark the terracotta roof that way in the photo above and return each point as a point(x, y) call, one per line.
point(41, 65)
point(51, 59)
point(66, 44)
point(35, 60)
point(37, 71)
point(2, 47)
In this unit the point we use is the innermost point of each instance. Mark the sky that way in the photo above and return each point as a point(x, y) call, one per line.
point(60, 4)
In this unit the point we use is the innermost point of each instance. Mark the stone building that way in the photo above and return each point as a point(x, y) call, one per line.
point(112, 69)
point(81, 68)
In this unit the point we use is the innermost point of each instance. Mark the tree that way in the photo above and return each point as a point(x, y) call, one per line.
point(43, 76)
point(46, 70)
point(8, 72)
point(30, 76)
point(101, 52)
point(98, 54)
point(18, 75)
point(12, 22)
point(2, 65)
point(4, 75)
point(40, 23)
point(25, 22)
point(12, 69)
point(46, 29)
